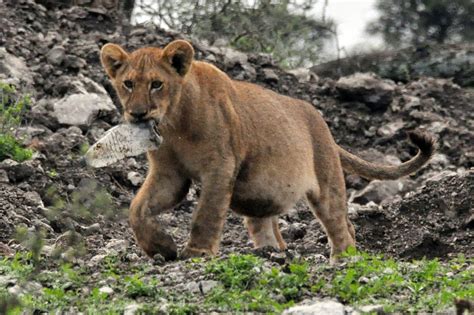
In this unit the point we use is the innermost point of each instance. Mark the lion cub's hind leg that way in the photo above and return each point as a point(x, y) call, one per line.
point(265, 232)
point(276, 230)
point(331, 212)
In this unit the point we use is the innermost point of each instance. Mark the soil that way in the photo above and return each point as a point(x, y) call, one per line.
point(434, 219)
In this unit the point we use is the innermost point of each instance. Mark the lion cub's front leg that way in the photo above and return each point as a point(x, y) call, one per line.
point(163, 189)
point(209, 217)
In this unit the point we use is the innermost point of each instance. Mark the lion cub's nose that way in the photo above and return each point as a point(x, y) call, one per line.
point(138, 115)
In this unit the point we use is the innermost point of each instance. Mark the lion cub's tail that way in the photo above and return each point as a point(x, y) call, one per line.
point(353, 164)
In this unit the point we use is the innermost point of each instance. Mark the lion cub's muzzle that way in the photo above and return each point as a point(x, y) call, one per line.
point(137, 116)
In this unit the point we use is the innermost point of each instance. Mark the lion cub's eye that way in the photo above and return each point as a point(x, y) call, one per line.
point(128, 84)
point(156, 85)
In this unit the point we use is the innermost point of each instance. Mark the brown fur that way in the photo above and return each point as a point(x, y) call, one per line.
point(253, 150)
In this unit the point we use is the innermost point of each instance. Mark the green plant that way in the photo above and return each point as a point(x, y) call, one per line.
point(135, 287)
point(425, 285)
point(248, 286)
point(12, 109)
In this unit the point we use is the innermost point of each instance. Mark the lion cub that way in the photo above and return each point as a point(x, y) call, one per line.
point(253, 150)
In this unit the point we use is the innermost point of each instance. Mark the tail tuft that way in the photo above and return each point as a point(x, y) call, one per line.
point(424, 141)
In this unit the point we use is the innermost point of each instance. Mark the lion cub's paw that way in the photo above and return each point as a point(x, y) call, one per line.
point(190, 252)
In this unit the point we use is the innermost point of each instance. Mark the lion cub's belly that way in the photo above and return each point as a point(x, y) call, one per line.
point(266, 190)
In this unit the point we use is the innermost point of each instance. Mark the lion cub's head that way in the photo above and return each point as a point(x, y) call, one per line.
point(148, 80)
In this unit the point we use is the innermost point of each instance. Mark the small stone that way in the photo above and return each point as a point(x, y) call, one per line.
point(106, 290)
point(131, 309)
point(251, 73)
point(6, 281)
point(96, 259)
point(116, 244)
point(132, 257)
point(32, 198)
point(158, 259)
point(297, 230)
point(371, 309)
point(135, 178)
point(88, 230)
point(56, 55)
point(270, 75)
point(207, 285)
point(202, 287)
point(304, 75)
point(74, 62)
point(279, 258)
point(320, 307)
point(390, 129)
point(4, 176)
point(364, 280)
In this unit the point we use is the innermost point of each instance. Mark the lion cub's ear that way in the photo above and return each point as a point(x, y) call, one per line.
point(179, 54)
point(112, 57)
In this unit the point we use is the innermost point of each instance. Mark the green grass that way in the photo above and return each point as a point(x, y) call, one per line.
point(12, 108)
point(245, 283)
point(423, 285)
point(248, 286)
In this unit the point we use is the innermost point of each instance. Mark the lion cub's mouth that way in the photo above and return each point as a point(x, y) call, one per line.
point(154, 129)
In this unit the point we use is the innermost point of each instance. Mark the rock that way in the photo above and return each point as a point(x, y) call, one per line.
point(6, 281)
point(371, 309)
point(133, 257)
point(368, 208)
point(14, 70)
point(304, 75)
point(233, 57)
point(97, 259)
point(107, 290)
point(131, 309)
point(74, 62)
point(135, 178)
point(452, 61)
point(5, 250)
point(202, 287)
point(270, 75)
point(56, 55)
point(32, 198)
point(118, 245)
point(207, 285)
point(296, 231)
point(158, 259)
point(18, 172)
point(321, 307)
point(88, 230)
point(376, 93)
point(390, 129)
point(82, 109)
point(441, 175)
point(251, 73)
point(377, 190)
point(4, 176)
point(279, 258)
point(28, 133)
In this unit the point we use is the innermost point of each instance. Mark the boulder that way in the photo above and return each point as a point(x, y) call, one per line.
point(367, 88)
point(81, 109)
point(14, 70)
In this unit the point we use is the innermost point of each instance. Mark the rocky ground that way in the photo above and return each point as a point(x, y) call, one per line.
point(54, 56)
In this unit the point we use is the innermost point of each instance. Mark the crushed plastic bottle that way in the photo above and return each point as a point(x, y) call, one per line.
point(123, 141)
